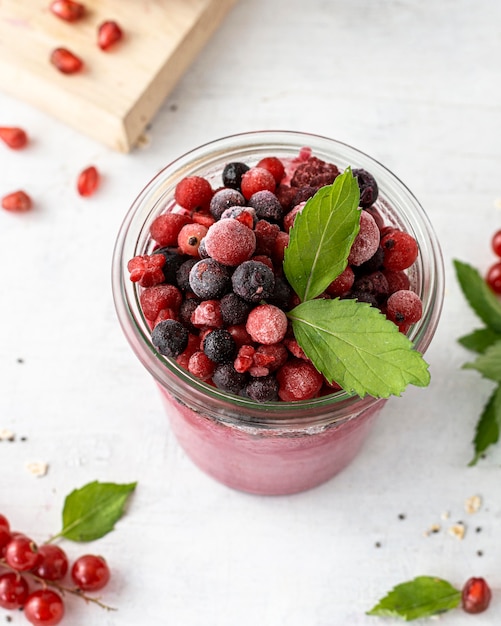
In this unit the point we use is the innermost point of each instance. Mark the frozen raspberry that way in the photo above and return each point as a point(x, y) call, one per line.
point(244, 359)
point(267, 324)
point(400, 250)
point(262, 389)
point(147, 270)
point(294, 348)
point(165, 228)
point(257, 179)
point(193, 192)
point(298, 380)
point(281, 242)
point(404, 307)
point(314, 173)
point(203, 218)
point(368, 187)
point(193, 345)
point(266, 235)
point(232, 174)
point(201, 366)
point(244, 214)
point(366, 242)
point(234, 309)
point(209, 279)
point(183, 274)
point(253, 281)
point(219, 346)
point(154, 299)
point(224, 199)
point(291, 216)
point(266, 205)
point(189, 238)
point(227, 378)
point(207, 315)
point(169, 337)
point(230, 242)
point(271, 356)
point(275, 166)
point(341, 285)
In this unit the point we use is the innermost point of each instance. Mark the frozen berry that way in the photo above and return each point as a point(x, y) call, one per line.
point(262, 389)
point(400, 250)
point(270, 356)
point(275, 166)
point(373, 264)
point(147, 270)
point(219, 346)
point(189, 238)
point(193, 192)
point(173, 261)
point(266, 235)
point(230, 242)
point(207, 315)
point(266, 205)
point(475, 595)
point(186, 310)
point(224, 199)
point(169, 337)
point(227, 378)
point(298, 380)
point(154, 299)
point(244, 214)
point(166, 227)
point(209, 279)
point(396, 280)
point(368, 187)
point(374, 283)
point(257, 179)
point(267, 324)
point(253, 281)
point(341, 285)
point(234, 309)
point(281, 295)
point(314, 173)
point(404, 307)
point(366, 242)
point(201, 366)
point(289, 219)
point(232, 174)
point(183, 274)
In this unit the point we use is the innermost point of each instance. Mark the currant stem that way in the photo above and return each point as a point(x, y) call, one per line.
point(62, 588)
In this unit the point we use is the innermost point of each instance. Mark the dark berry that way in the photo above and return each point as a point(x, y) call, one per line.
point(173, 260)
point(186, 311)
point(227, 378)
point(232, 174)
point(170, 337)
point(368, 187)
point(303, 194)
point(374, 283)
point(475, 595)
point(364, 296)
point(371, 265)
point(262, 389)
point(266, 205)
point(266, 235)
point(253, 281)
point(234, 309)
point(209, 279)
point(183, 274)
point(219, 346)
point(282, 293)
point(224, 199)
point(314, 173)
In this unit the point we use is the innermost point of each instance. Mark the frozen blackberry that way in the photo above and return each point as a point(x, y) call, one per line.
point(227, 378)
point(315, 173)
point(266, 205)
point(368, 187)
point(224, 199)
point(209, 279)
point(232, 174)
point(183, 274)
point(234, 309)
point(262, 389)
point(170, 337)
point(282, 294)
point(173, 261)
point(219, 346)
point(303, 194)
point(253, 281)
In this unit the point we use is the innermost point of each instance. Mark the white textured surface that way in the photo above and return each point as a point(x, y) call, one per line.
point(418, 86)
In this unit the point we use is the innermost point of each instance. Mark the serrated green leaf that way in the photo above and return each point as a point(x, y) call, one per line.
point(91, 511)
point(479, 296)
point(355, 345)
point(488, 363)
point(423, 596)
point(479, 340)
point(322, 236)
point(488, 426)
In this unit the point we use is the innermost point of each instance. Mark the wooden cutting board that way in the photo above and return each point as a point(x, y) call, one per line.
point(120, 90)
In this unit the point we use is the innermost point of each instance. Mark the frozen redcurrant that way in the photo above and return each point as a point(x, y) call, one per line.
point(44, 608)
point(108, 33)
point(67, 10)
point(90, 572)
point(476, 595)
point(88, 181)
point(65, 61)
point(15, 138)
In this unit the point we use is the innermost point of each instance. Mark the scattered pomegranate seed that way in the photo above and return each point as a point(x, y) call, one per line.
point(17, 202)
point(476, 595)
point(88, 181)
point(65, 61)
point(14, 137)
point(108, 34)
point(67, 10)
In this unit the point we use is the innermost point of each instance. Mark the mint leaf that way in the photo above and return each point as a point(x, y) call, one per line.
point(487, 431)
point(91, 512)
point(422, 597)
point(488, 363)
point(322, 236)
point(479, 296)
point(355, 345)
point(479, 340)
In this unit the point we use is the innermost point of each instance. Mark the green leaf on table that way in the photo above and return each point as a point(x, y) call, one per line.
point(479, 340)
point(91, 511)
point(488, 426)
point(322, 236)
point(488, 363)
point(422, 597)
point(479, 295)
point(355, 345)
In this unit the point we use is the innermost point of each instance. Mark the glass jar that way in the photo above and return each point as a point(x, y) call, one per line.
point(271, 447)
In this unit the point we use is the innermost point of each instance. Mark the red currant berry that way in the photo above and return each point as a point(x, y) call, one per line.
point(13, 591)
point(53, 563)
point(400, 250)
point(90, 572)
point(108, 34)
point(44, 608)
point(17, 202)
point(88, 181)
point(274, 166)
point(298, 380)
point(493, 278)
point(22, 554)
point(189, 238)
point(257, 179)
point(15, 138)
point(67, 10)
point(495, 242)
point(65, 61)
point(404, 307)
point(5, 538)
point(476, 595)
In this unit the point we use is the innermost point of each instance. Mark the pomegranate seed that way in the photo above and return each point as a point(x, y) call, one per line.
point(14, 137)
point(108, 34)
point(17, 202)
point(65, 61)
point(476, 595)
point(67, 10)
point(88, 181)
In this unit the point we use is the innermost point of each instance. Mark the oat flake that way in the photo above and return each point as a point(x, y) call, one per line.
point(6, 435)
point(37, 468)
point(457, 530)
point(473, 504)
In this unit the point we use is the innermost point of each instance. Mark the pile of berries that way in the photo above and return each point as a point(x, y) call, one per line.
point(32, 577)
point(214, 291)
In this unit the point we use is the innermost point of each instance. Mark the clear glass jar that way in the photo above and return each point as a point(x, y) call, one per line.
point(274, 447)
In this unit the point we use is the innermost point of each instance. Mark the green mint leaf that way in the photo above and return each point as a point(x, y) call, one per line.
point(322, 236)
point(422, 597)
point(488, 363)
point(488, 426)
point(479, 296)
point(91, 512)
point(354, 344)
point(479, 340)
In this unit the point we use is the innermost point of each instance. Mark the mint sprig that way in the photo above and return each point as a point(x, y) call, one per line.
point(423, 596)
point(486, 342)
point(348, 341)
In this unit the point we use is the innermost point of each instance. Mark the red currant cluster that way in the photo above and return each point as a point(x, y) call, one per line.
point(493, 276)
point(23, 565)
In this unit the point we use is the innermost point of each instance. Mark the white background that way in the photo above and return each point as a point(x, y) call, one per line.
point(415, 84)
